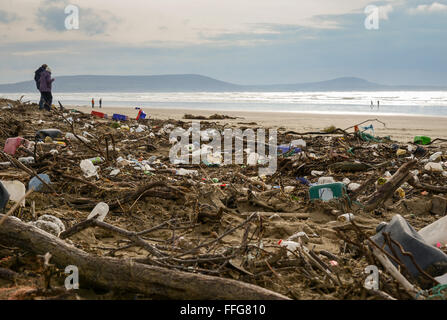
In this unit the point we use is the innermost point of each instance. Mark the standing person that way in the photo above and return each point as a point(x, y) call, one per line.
point(45, 88)
point(372, 105)
point(100, 103)
point(93, 103)
point(378, 103)
point(37, 75)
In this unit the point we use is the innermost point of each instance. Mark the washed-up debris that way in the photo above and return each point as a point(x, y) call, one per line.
point(113, 192)
point(212, 117)
point(421, 260)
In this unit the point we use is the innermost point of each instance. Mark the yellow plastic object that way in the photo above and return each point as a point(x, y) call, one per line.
point(400, 152)
point(61, 143)
point(400, 192)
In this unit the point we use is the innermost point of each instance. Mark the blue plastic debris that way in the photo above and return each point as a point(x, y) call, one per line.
point(119, 117)
point(36, 184)
point(303, 181)
point(285, 148)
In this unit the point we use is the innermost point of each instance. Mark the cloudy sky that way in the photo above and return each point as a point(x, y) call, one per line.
point(241, 41)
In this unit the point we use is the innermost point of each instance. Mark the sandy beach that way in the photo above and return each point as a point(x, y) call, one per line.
point(400, 128)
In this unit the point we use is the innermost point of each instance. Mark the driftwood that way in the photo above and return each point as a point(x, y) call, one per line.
point(387, 190)
point(424, 186)
point(297, 215)
point(409, 288)
point(347, 166)
point(125, 274)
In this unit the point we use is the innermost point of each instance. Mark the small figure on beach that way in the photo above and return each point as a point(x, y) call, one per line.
point(45, 86)
point(37, 75)
point(100, 103)
point(378, 103)
point(372, 105)
point(93, 103)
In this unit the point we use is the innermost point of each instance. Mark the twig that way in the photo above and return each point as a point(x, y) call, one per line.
point(15, 206)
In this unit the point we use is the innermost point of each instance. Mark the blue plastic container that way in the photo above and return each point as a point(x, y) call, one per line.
point(36, 184)
point(119, 117)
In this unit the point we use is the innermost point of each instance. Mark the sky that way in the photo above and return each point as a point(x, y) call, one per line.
point(239, 41)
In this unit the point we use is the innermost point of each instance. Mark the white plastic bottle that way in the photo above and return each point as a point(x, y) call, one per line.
point(290, 245)
point(102, 209)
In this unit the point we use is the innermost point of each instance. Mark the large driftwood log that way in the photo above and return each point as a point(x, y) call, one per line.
point(127, 275)
point(387, 190)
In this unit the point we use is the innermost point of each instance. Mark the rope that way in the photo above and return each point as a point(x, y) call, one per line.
point(437, 292)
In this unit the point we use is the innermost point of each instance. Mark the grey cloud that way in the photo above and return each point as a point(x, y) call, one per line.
point(7, 17)
point(52, 17)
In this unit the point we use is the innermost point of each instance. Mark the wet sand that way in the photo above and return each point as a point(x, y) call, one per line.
point(400, 128)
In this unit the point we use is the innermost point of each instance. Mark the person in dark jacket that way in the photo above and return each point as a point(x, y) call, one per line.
point(45, 88)
point(37, 75)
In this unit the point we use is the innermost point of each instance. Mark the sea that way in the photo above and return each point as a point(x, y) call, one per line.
point(417, 103)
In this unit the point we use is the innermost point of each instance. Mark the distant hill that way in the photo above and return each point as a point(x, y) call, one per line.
point(194, 83)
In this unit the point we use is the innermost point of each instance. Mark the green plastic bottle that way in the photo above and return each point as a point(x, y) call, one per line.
point(422, 140)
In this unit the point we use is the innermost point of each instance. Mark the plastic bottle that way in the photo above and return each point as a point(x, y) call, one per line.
point(435, 156)
point(184, 172)
point(114, 172)
point(434, 167)
point(435, 232)
point(96, 160)
point(88, 168)
point(26, 160)
point(346, 217)
point(422, 140)
point(101, 209)
point(289, 245)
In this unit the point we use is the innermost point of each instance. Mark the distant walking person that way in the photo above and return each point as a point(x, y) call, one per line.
point(378, 104)
point(372, 105)
point(45, 85)
point(93, 103)
point(100, 103)
point(37, 75)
